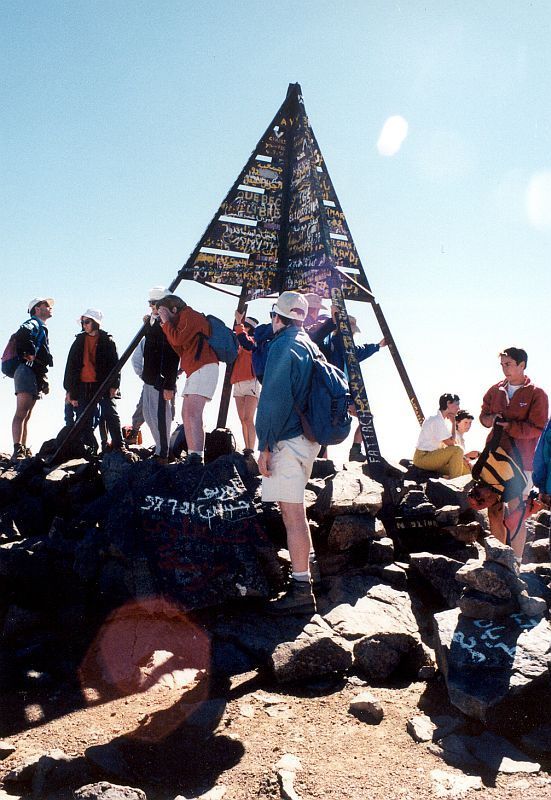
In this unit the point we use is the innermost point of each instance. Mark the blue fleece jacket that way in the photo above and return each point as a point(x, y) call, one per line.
point(542, 461)
point(286, 384)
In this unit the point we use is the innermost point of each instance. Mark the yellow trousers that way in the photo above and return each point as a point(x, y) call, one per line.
point(446, 460)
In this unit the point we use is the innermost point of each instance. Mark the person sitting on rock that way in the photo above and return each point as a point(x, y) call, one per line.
point(437, 449)
point(463, 422)
point(187, 331)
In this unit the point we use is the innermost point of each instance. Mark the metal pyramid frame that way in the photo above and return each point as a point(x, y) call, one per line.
point(280, 227)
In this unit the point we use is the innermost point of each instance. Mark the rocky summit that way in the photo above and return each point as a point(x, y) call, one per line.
point(124, 576)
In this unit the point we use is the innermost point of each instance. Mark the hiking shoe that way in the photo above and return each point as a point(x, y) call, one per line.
point(194, 459)
point(28, 452)
point(356, 454)
point(19, 453)
point(160, 459)
point(248, 451)
point(315, 574)
point(298, 600)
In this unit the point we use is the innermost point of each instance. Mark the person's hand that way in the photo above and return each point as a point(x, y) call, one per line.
point(239, 316)
point(472, 454)
point(165, 314)
point(383, 343)
point(334, 312)
point(146, 318)
point(74, 403)
point(264, 463)
point(30, 357)
point(502, 423)
point(113, 392)
point(168, 395)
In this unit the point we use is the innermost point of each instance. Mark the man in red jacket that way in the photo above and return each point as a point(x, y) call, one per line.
point(521, 410)
point(187, 331)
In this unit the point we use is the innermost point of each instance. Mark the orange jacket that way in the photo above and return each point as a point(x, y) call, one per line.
point(183, 333)
point(527, 412)
point(243, 365)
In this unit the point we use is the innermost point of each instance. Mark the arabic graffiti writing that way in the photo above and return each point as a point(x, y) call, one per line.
point(485, 635)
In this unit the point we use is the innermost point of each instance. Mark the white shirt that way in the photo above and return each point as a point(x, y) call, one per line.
point(433, 432)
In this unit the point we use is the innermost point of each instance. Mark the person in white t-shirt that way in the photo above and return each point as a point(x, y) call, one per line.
point(437, 449)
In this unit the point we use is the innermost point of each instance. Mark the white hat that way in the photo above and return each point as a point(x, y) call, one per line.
point(314, 301)
point(38, 300)
point(92, 313)
point(252, 321)
point(292, 305)
point(157, 293)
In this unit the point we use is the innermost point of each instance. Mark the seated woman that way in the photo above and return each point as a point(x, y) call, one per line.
point(463, 422)
point(437, 449)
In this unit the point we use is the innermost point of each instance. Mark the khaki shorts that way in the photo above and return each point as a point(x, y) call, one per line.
point(203, 381)
point(250, 388)
point(291, 466)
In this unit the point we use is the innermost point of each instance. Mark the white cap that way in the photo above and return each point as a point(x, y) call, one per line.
point(157, 293)
point(92, 313)
point(38, 300)
point(250, 321)
point(291, 305)
point(314, 301)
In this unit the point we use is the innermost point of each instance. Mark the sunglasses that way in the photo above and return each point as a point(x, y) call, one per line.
point(87, 321)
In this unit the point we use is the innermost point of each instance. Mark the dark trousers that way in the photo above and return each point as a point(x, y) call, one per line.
point(108, 415)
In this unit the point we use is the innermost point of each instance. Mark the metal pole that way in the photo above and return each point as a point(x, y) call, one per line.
point(412, 397)
point(226, 389)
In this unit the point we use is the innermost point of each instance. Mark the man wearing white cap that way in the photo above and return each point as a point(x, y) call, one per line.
point(92, 356)
point(286, 455)
point(30, 381)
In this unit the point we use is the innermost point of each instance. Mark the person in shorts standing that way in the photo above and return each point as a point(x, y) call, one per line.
point(30, 379)
point(286, 455)
point(187, 331)
point(246, 387)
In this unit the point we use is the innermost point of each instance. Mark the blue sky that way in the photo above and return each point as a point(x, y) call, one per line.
point(124, 123)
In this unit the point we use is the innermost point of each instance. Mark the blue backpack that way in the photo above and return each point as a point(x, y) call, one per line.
point(326, 418)
point(10, 359)
point(222, 340)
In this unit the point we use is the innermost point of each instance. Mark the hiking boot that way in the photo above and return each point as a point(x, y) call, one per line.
point(315, 574)
point(356, 454)
point(160, 459)
point(194, 459)
point(19, 453)
point(298, 599)
point(28, 452)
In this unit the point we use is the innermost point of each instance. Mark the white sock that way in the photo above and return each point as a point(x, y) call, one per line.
point(301, 577)
point(197, 452)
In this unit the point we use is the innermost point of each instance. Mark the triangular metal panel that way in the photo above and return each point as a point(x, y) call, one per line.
point(267, 234)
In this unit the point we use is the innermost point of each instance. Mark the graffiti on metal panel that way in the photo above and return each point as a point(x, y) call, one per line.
point(253, 244)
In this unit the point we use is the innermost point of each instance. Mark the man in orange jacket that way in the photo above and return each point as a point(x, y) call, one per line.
point(187, 331)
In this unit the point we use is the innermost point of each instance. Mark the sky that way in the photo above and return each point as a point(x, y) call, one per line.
point(124, 123)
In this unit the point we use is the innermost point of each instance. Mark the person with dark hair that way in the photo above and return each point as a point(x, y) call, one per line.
point(187, 332)
point(246, 387)
point(286, 455)
point(159, 372)
point(30, 378)
point(463, 421)
point(91, 358)
point(437, 449)
point(520, 409)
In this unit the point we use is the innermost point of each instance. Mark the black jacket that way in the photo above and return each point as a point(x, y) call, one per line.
point(106, 358)
point(160, 361)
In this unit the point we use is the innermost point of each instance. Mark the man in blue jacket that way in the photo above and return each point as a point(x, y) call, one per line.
point(286, 455)
point(30, 379)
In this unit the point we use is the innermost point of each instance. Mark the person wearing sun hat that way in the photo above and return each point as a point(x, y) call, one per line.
point(30, 378)
point(286, 455)
point(246, 387)
point(91, 358)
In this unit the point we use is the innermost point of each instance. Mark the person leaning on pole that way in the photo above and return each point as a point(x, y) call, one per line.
point(30, 379)
point(286, 455)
